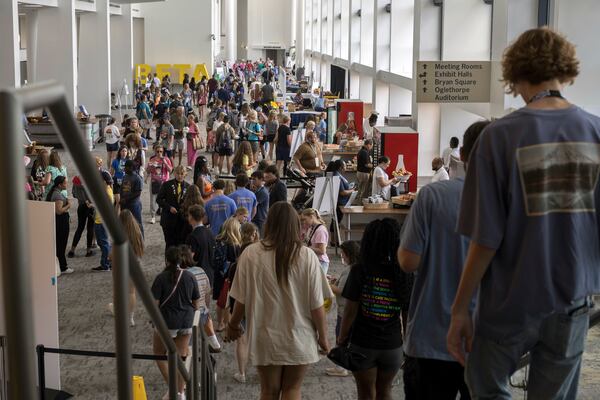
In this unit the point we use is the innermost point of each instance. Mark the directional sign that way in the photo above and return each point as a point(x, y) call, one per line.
point(453, 81)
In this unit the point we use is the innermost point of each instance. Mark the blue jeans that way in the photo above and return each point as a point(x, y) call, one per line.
point(555, 344)
point(136, 209)
point(103, 243)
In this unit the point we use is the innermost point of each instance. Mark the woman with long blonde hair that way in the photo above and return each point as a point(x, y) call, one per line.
point(293, 288)
point(136, 241)
point(315, 235)
point(249, 233)
point(227, 249)
point(243, 159)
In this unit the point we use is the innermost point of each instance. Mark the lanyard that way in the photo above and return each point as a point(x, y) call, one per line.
point(545, 93)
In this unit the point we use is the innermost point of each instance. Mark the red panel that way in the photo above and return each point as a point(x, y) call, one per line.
point(408, 145)
point(344, 107)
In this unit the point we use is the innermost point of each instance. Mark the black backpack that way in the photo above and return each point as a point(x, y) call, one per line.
point(221, 264)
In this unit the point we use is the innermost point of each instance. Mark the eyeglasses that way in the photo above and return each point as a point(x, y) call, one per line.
point(159, 152)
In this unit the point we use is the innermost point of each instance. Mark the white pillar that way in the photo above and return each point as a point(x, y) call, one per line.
point(10, 69)
point(32, 39)
point(426, 116)
point(229, 29)
point(56, 51)
point(300, 26)
point(509, 20)
point(121, 51)
point(94, 59)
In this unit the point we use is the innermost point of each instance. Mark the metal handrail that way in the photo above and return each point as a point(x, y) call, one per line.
point(15, 260)
point(191, 363)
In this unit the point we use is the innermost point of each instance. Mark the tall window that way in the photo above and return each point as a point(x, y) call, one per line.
point(366, 32)
point(402, 25)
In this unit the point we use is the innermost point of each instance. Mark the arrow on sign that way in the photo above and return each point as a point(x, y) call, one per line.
point(425, 82)
point(424, 90)
point(423, 75)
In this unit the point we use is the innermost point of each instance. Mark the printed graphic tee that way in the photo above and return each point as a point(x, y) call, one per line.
point(218, 209)
point(377, 288)
point(531, 193)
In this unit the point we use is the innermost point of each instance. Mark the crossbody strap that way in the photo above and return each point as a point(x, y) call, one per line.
point(174, 289)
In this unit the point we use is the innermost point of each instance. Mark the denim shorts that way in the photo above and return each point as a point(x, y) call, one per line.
point(180, 332)
point(112, 146)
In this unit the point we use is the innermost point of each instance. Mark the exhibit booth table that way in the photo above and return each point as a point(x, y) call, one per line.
point(356, 218)
point(44, 132)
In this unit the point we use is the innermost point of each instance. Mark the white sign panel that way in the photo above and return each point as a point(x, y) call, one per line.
point(453, 81)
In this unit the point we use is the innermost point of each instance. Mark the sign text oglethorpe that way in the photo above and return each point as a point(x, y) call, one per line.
point(453, 81)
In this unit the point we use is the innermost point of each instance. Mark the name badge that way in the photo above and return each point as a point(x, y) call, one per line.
point(317, 163)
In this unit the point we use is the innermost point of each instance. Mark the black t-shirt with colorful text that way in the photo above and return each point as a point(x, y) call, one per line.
point(379, 290)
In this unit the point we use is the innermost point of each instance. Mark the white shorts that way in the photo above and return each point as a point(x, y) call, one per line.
point(178, 145)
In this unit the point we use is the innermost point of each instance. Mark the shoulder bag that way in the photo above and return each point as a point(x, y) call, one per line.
point(172, 291)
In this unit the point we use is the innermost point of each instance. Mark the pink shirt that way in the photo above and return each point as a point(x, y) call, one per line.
point(321, 235)
point(193, 130)
point(159, 168)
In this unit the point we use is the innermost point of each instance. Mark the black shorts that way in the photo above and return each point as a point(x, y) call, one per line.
point(270, 138)
point(116, 187)
point(383, 359)
point(112, 146)
point(225, 152)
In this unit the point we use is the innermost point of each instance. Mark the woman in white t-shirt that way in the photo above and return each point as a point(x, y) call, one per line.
point(280, 289)
point(381, 182)
point(112, 136)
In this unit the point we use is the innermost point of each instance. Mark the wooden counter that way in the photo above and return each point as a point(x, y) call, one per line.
point(356, 218)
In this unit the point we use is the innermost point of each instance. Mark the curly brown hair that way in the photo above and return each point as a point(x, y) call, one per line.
point(537, 56)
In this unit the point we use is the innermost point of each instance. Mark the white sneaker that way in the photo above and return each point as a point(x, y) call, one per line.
point(239, 377)
point(153, 220)
point(111, 308)
point(181, 396)
point(131, 321)
point(68, 271)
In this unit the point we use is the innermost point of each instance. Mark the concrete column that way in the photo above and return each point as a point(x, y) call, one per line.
point(242, 29)
point(94, 59)
point(121, 52)
point(32, 40)
point(56, 52)
point(229, 29)
point(10, 72)
point(300, 25)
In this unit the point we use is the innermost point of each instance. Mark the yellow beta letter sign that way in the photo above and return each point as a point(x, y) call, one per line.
point(142, 71)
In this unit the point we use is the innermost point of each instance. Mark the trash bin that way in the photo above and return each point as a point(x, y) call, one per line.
point(103, 120)
point(87, 128)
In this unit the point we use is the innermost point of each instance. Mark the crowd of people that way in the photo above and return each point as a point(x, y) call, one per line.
point(241, 245)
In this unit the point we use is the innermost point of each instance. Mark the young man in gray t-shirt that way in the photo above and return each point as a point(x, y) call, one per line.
point(530, 208)
point(431, 247)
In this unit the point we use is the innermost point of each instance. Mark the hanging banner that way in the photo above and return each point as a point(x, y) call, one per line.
point(175, 71)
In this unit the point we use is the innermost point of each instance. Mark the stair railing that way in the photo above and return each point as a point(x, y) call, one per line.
point(14, 255)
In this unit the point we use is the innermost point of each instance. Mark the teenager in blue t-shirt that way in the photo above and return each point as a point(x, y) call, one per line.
point(431, 246)
point(219, 207)
point(530, 208)
point(242, 196)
